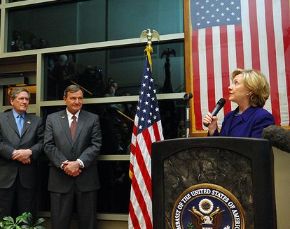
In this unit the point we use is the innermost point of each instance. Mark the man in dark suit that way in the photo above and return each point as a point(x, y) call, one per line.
point(21, 142)
point(72, 140)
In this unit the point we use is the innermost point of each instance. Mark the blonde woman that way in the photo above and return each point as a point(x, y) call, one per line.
point(250, 90)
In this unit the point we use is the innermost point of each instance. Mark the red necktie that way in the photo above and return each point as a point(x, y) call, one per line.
point(73, 127)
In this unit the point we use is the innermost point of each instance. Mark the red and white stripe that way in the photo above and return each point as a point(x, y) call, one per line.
point(261, 42)
point(140, 207)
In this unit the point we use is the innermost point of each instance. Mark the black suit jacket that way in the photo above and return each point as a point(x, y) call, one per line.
point(32, 138)
point(59, 147)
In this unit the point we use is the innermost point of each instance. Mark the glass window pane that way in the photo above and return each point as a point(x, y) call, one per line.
point(113, 197)
point(164, 16)
point(114, 72)
point(79, 22)
point(18, 72)
point(30, 88)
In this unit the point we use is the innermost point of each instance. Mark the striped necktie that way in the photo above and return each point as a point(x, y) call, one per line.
point(73, 127)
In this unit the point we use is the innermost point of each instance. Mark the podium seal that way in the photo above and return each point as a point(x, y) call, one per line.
point(207, 206)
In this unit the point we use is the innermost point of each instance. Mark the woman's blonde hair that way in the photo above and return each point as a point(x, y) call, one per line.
point(256, 83)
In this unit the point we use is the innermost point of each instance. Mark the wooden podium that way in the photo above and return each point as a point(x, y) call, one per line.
point(242, 166)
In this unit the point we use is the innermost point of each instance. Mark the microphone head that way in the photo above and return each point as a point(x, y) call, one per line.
point(221, 102)
point(219, 105)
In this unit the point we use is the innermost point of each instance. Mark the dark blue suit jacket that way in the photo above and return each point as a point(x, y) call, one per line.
point(31, 138)
point(248, 124)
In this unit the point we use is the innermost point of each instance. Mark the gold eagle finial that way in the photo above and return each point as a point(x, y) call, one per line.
point(149, 35)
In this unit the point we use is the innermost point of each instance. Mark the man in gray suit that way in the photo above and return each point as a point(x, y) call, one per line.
point(21, 142)
point(72, 140)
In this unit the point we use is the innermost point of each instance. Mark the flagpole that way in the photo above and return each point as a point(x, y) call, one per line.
point(147, 129)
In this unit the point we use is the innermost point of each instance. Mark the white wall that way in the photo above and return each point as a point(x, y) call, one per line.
point(282, 187)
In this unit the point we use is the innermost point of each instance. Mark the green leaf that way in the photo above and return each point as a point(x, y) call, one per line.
point(39, 221)
point(39, 227)
point(9, 224)
point(23, 221)
point(25, 227)
point(11, 227)
point(8, 219)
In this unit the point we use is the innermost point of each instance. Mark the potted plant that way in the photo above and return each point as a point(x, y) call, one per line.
point(23, 221)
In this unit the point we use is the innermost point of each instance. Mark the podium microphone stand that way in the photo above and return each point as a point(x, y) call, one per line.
point(187, 97)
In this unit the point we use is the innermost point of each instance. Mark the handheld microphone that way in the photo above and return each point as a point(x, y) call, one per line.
point(219, 105)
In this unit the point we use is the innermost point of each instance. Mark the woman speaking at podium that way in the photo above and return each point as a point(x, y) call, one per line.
point(250, 90)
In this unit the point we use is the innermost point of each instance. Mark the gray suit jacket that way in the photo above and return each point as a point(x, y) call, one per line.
point(32, 138)
point(59, 147)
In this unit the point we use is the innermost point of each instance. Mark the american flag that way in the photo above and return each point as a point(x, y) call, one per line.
point(147, 129)
point(230, 34)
